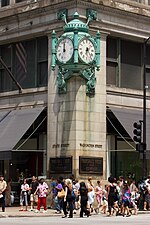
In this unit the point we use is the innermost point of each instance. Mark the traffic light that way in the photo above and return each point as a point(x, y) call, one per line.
point(140, 147)
point(137, 132)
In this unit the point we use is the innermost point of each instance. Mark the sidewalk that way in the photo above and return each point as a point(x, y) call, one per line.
point(14, 212)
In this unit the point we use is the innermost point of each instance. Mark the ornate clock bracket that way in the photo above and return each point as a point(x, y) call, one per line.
point(76, 52)
point(62, 77)
point(89, 75)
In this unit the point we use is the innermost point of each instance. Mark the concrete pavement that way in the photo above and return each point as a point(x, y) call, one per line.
point(14, 212)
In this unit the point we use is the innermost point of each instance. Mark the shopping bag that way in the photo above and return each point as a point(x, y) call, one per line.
point(61, 194)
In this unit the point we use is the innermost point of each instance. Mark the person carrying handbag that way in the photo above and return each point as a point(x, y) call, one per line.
point(59, 199)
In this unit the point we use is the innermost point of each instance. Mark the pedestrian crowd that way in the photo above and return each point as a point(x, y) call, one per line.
point(115, 197)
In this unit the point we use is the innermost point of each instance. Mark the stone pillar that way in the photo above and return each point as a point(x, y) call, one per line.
point(76, 122)
point(12, 2)
point(42, 145)
point(110, 146)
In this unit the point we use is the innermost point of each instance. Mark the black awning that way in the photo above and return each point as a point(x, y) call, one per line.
point(13, 127)
point(127, 117)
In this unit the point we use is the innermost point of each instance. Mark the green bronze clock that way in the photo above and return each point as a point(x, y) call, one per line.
point(86, 50)
point(64, 50)
point(76, 52)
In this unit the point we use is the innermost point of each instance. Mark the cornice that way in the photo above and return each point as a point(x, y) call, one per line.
point(119, 6)
point(125, 92)
point(48, 9)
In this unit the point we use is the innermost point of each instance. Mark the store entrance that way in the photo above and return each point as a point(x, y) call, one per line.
point(126, 163)
point(25, 165)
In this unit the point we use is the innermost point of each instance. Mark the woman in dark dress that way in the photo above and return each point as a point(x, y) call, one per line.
point(83, 191)
point(112, 195)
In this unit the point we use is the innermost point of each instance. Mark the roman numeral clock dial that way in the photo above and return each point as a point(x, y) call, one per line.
point(64, 50)
point(86, 51)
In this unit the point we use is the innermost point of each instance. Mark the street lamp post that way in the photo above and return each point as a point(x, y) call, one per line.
point(144, 110)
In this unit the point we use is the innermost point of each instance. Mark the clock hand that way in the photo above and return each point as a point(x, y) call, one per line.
point(88, 56)
point(87, 50)
point(64, 49)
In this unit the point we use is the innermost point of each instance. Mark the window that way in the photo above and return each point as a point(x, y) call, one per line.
point(139, 1)
point(17, 1)
point(148, 55)
point(42, 68)
point(112, 61)
point(28, 61)
point(5, 81)
point(125, 63)
point(5, 3)
point(147, 2)
point(131, 67)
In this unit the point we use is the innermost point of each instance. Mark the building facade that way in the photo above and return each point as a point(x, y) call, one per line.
point(43, 132)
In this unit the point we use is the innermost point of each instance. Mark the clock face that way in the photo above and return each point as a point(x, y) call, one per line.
point(64, 50)
point(86, 50)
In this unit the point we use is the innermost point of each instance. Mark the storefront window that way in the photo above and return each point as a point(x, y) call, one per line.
point(126, 162)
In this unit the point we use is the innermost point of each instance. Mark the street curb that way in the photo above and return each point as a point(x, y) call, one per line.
point(33, 215)
point(16, 213)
